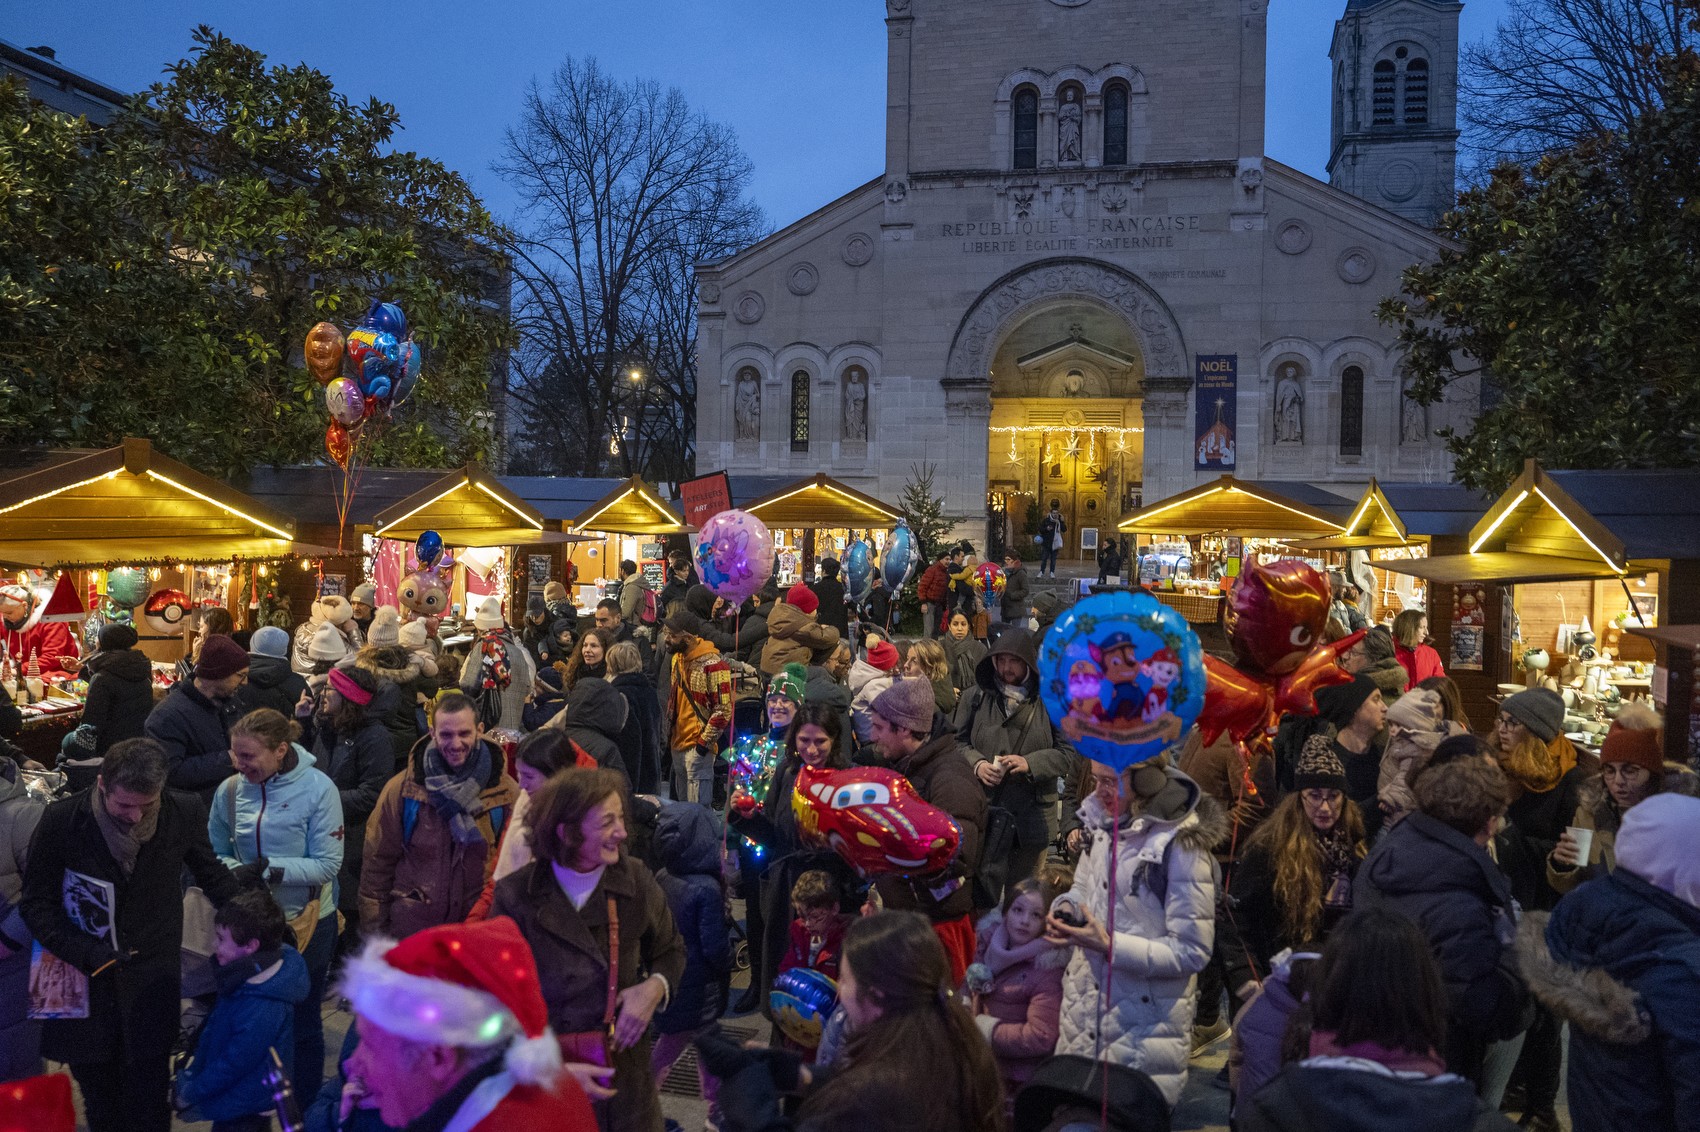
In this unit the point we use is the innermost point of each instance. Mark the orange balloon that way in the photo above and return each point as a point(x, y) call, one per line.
point(338, 444)
point(324, 352)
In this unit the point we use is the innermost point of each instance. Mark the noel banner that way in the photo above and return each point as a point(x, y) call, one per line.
point(1216, 382)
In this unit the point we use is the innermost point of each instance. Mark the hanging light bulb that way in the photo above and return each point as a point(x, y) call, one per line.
point(306, 564)
point(262, 569)
point(153, 573)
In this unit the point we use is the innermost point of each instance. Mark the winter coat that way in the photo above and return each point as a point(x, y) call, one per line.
point(965, 657)
point(827, 957)
point(1389, 676)
point(832, 611)
point(594, 719)
point(1537, 821)
point(687, 842)
point(226, 1077)
point(876, 609)
point(1599, 813)
point(1619, 959)
point(700, 600)
point(522, 671)
point(52, 642)
point(940, 773)
point(795, 637)
point(1164, 930)
point(1451, 889)
point(934, 585)
point(640, 738)
point(571, 948)
point(1317, 1095)
point(1419, 663)
point(632, 589)
point(988, 728)
point(1020, 1014)
point(294, 820)
point(1016, 603)
point(413, 873)
point(1259, 916)
point(133, 1007)
point(195, 733)
point(866, 684)
point(120, 696)
point(359, 764)
point(945, 698)
point(1259, 1030)
point(20, 1039)
point(272, 683)
point(752, 633)
point(413, 675)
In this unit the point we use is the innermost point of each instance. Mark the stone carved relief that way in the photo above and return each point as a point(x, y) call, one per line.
point(1293, 237)
point(1356, 265)
point(1113, 199)
point(1067, 204)
point(897, 7)
point(1000, 306)
point(1413, 419)
point(746, 406)
point(858, 249)
point(1023, 199)
point(1068, 128)
point(749, 308)
point(1289, 405)
point(856, 404)
point(895, 191)
point(803, 279)
point(710, 292)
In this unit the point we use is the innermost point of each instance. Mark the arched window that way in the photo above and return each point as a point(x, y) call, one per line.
point(1115, 124)
point(1026, 128)
point(1352, 411)
point(1416, 93)
point(800, 411)
point(1382, 95)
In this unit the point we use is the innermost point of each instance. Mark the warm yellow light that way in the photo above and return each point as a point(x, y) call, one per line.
point(183, 569)
point(636, 375)
point(222, 506)
point(262, 569)
point(1604, 557)
point(153, 574)
point(533, 522)
point(58, 491)
point(1494, 526)
point(387, 527)
point(306, 565)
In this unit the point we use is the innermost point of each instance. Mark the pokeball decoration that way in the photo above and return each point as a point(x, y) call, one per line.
point(873, 818)
point(1122, 675)
point(802, 999)
point(166, 611)
point(988, 578)
point(735, 555)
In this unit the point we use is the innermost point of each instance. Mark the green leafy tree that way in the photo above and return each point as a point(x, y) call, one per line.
point(1573, 289)
point(157, 276)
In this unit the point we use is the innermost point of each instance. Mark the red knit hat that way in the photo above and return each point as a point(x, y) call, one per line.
point(37, 1104)
point(220, 657)
point(883, 656)
point(471, 986)
point(802, 597)
point(1635, 738)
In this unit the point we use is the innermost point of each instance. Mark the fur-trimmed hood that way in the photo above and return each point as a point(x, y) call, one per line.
point(1210, 828)
point(393, 663)
point(1597, 802)
point(1055, 957)
point(1589, 998)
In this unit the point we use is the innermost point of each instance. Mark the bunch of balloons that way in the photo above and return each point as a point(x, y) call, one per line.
point(373, 369)
point(1275, 618)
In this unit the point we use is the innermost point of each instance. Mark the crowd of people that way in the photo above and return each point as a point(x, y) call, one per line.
point(525, 868)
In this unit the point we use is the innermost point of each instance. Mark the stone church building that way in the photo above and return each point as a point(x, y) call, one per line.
point(1080, 279)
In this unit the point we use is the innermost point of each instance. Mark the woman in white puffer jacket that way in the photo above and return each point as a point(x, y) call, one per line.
point(1138, 1010)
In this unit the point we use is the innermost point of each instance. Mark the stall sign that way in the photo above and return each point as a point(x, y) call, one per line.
point(705, 497)
point(1215, 391)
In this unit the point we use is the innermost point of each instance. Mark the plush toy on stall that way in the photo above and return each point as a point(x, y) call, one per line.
point(873, 818)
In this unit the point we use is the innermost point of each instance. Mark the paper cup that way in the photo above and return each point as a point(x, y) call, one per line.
point(1584, 839)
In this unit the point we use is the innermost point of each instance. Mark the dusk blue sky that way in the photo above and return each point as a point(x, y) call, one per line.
point(802, 83)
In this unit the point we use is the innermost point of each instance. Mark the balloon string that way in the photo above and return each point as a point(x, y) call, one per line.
point(1110, 949)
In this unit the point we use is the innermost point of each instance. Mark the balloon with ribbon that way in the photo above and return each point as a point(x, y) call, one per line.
point(428, 549)
point(338, 444)
point(324, 352)
point(734, 555)
point(859, 569)
point(873, 818)
point(901, 557)
point(126, 587)
point(386, 318)
point(423, 593)
point(407, 378)
point(802, 999)
point(344, 403)
point(1122, 676)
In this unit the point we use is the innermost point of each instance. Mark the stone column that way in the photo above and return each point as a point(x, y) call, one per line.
point(1048, 131)
point(1092, 135)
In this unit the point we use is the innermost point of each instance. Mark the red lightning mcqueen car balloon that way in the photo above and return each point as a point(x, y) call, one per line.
point(873, 818)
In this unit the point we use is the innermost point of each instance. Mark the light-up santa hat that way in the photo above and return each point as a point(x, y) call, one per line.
point(471, 986)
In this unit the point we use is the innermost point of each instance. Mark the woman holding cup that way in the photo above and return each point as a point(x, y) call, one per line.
point(1632, 769)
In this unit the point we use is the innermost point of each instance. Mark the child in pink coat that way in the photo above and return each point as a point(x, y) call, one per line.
point(1015, 982)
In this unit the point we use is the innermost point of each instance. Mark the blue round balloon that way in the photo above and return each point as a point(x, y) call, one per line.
point(428, 549)
point(901, 555)
point(802, 999)
point(859, 569)
point(1122, 676)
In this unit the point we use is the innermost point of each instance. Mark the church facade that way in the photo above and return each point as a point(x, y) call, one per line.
point(1080, 280)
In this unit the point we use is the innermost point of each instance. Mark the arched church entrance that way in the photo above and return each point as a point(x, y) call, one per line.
point(1065, 348)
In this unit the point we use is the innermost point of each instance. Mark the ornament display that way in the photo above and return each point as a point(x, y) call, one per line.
point(901, 557)
point(802, 999)
point(988, 578)
point(859, 570)
point(324, 352)
point(734, 555)
point(167, 611)
point(873, 818)
point(1122, 676)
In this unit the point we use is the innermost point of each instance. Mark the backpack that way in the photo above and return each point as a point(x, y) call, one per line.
point(650, 613)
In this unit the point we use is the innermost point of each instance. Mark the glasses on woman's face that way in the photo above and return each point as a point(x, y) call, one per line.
point(1507, 722)
point(1321, 799)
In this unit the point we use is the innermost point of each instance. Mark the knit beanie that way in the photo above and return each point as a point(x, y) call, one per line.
point(802, 597)
point(790, 682)
point(365, 593)
point(1319, 768)
point(1417, 710)
point(1541, 710)
point(220, 657)
point(1339, 703)
point(116, 636)
point(327, 644)
point(1634, 738)
point(908, 704)
point(335, 609)
point(554, 592)
point(269, 641)
point(386, 628)
point(412, 636)
point(883, 656)
point(1656, 843)
point(534, 606)
point(489, 614)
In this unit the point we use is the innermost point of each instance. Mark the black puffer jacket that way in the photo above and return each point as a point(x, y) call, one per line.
point(687, 843)
point(640, 739)
point(940, 773)
point(412, 675)
point(120, 696)
point(595, 716)
point(699, 599)
point(359, 761)
point(272, 683)
point(195, 733)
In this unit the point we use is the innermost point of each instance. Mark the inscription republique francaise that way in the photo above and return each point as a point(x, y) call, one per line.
point(1057, 234)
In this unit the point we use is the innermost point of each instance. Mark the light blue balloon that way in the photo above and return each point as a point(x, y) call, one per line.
point(901, 555)
point(859, 569)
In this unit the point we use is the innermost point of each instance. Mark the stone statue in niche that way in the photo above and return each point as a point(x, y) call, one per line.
point(856, 405)
point(747, 407)
point(1413, 420)
point(1289, 406)
point(1068, 128)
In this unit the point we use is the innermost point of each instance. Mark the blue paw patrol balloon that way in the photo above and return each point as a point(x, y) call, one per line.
point(1122, 676)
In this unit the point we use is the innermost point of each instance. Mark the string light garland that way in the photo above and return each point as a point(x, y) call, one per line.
point(753, 761)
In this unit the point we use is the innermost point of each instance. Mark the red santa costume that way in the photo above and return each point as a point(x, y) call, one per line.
point(26, 629)
point(473, 987)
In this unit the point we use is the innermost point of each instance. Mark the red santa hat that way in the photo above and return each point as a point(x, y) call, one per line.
point(471, 986)
point(64, 605)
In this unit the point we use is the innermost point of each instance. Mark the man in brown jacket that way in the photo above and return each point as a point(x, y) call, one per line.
point(794, 634)
point(431, 843)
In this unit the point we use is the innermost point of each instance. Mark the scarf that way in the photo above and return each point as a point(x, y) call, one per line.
point(124, 840)
point(1533, 765)
point(452, 793)
point(1014, 695)
point(1429, 1064)
point(1000, 956)
point(1336, 849)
